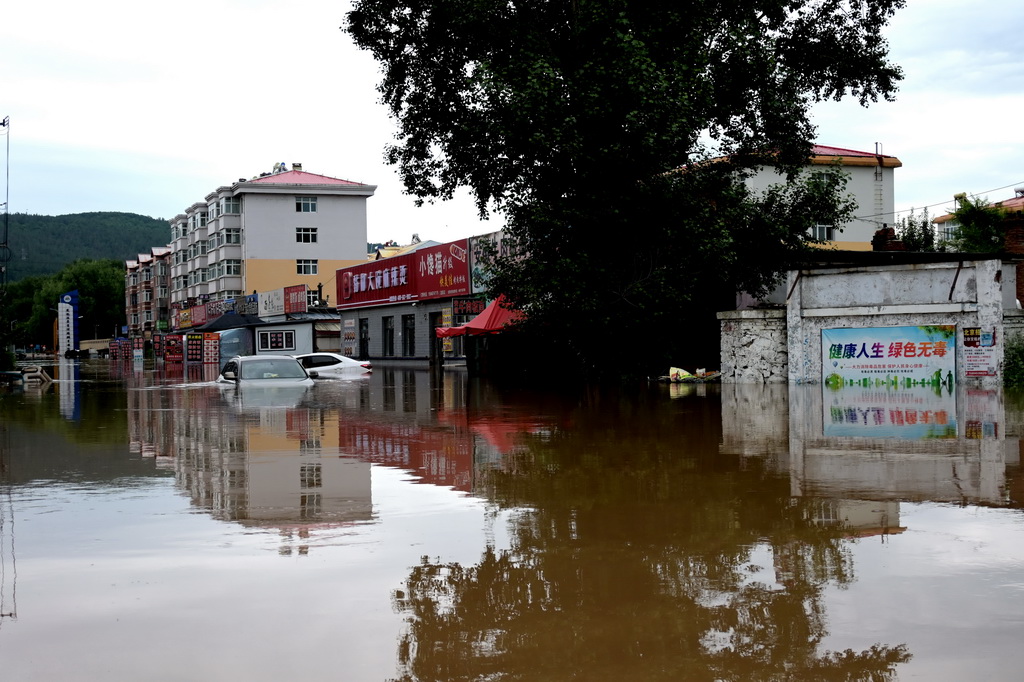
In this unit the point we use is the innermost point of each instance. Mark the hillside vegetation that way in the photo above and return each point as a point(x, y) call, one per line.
point(42, 245)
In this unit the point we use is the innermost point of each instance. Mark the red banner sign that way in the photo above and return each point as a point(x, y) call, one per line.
point(432, 272)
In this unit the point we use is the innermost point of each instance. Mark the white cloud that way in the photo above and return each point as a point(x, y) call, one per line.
point(119, 105)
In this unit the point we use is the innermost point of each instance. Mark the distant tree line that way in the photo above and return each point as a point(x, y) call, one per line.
point(42, 245)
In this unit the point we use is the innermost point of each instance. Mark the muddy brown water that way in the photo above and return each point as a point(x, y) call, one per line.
point(156, 526)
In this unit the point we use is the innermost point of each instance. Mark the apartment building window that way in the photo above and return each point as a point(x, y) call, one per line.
point(408, 335)
point(305, 235)
point(231, 205)
point(133, 279)
point(306, 266)
point(825, 233)
point(305, 204)
point(949, 230)
point(213, 210)
point(202, 219)
point(135, 318)
point(233, 235)
point(311, 300)
point(147, 316)
point(147, 296)
point(388, 335)
point(161, 292)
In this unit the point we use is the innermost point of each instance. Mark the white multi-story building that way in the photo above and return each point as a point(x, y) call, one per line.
point(276, 230)
point(869, 183)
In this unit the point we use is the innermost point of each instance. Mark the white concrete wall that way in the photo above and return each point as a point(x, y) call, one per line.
point(754, 346)
point(303, 337)
point(766, 346)
point(967, 294)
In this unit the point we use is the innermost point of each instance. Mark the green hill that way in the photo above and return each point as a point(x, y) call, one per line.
point(42, 244)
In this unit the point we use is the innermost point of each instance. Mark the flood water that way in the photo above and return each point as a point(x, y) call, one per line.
point(154, 526)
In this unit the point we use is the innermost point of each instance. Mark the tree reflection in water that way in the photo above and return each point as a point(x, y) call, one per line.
point(632, 559)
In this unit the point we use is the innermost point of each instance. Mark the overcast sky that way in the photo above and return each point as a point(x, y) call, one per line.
point(146, 108)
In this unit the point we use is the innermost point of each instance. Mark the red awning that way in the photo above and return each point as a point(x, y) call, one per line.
point(491, 321)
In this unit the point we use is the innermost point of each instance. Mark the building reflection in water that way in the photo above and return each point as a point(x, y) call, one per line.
point(861, 453)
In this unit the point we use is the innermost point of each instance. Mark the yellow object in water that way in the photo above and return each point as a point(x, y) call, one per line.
point(677, 374)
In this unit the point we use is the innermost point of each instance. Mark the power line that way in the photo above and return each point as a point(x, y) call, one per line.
point(867, 218)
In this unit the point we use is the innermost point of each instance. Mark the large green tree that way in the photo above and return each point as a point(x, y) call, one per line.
point(616, 135)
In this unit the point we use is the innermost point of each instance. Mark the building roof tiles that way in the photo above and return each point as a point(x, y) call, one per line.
point(294, 177)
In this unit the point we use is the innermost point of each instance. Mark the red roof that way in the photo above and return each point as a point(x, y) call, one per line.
point(822, 154)
point(824, 150)
point(294, 177)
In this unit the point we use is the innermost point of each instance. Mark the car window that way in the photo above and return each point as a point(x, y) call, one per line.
point(272, 369)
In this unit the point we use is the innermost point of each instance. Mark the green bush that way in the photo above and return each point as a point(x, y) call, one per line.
point(1013, 362)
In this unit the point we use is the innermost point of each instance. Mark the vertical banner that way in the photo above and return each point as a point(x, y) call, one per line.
point(67, 322)
point(447, 345)
point(193, 347)
point(348, 337)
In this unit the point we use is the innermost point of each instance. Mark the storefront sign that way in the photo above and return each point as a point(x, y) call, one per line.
point(271, 303)
point(432, 272)
point(295, 299)
point(468, 306)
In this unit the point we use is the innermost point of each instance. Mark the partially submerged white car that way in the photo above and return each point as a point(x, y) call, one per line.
point(265, 370)
point(333, 365)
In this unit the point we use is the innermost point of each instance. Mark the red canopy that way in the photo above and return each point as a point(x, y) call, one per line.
point(491, 321)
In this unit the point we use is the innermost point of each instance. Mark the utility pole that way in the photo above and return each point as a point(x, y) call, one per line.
point(5, 250)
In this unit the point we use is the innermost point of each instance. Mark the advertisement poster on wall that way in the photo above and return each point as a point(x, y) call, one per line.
point(889, 382)
point(979, 352)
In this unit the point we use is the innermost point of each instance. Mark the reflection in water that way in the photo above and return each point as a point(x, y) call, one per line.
point(682, 532)
point(636, 556)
